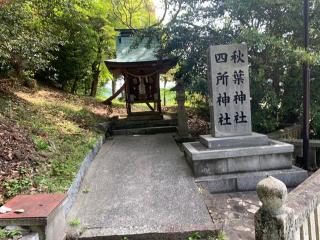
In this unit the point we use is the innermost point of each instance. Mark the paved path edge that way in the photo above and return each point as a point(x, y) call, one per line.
point(94, 234)
point(76, 184)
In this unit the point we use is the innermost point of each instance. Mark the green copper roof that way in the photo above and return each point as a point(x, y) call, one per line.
point(127, 52)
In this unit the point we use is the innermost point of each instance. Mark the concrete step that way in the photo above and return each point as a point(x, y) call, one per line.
point(145, 116)
point(144, 123)
point(145, 130)
point(248, 181)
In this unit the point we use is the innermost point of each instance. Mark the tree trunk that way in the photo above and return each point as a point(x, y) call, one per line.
point(276, 81)
point(114, 85)
point(96, 69)
point(17, 66)
point(95, 80)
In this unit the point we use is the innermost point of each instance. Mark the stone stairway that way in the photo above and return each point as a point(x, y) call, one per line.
point(145, 123)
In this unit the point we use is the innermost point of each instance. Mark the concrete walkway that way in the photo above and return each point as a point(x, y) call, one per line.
point(140, 187)
point(234, 213)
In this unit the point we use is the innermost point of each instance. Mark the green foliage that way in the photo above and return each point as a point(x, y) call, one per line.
point(86, 190)
point(9, 234)
point(28, 36)
point(170, 97)
point(221, 236)
point(63, 132)
point(315, 103)
point(134, 14)
point(90, 39)
point(197, 235)
point(40, 143)
point(2, 233)
point(14, 187)
point(65, 41)
point(14, 233)
point(75, 222)
point(273, 32)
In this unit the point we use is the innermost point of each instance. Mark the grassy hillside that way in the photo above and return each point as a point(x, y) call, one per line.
point(44, 136)
point(46, 133)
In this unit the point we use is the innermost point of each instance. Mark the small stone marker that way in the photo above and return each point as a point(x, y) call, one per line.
point(229, 90)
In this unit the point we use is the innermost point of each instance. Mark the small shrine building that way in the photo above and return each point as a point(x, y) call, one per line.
point(137, 62)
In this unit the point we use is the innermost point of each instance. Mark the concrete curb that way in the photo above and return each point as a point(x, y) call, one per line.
point(75, 187)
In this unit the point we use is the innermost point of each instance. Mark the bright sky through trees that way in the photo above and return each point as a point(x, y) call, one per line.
point(159, 7)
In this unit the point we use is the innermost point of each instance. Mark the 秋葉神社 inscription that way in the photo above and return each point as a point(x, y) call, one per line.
point(233, 154)
point(229, 90)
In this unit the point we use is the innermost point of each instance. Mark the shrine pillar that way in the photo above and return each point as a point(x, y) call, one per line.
point(181, 112)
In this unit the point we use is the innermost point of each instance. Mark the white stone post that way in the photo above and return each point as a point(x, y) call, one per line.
point(270, 220)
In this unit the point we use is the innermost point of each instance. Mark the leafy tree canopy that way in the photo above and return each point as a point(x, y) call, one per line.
point(273, 31)
point(66, 41)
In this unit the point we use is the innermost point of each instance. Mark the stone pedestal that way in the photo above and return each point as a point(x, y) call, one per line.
point(239, 163)
point(233, 158)
point(255, 139)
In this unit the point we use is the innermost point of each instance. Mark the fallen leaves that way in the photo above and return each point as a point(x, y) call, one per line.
point(198, 122)
point(17, 152)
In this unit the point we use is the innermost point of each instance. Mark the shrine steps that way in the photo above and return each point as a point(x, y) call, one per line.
point(127, 124)
point(145, 116)
point(145, 131)
point(144, 123)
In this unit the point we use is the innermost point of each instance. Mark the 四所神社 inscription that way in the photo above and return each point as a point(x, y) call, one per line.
point(229, 90)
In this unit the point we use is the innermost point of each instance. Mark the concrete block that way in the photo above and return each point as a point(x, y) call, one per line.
point(223, 185)
point(31, 236)
point(197, 151)
point(56, 225)
point(244, 164)
point(248, 181)
point(43, 213)
point(206, 168)
point(276, 161)
point(240, 164)
point(206, 162)
point(255, 139)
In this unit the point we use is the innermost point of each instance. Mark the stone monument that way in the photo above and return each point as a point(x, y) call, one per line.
point(233, 157)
